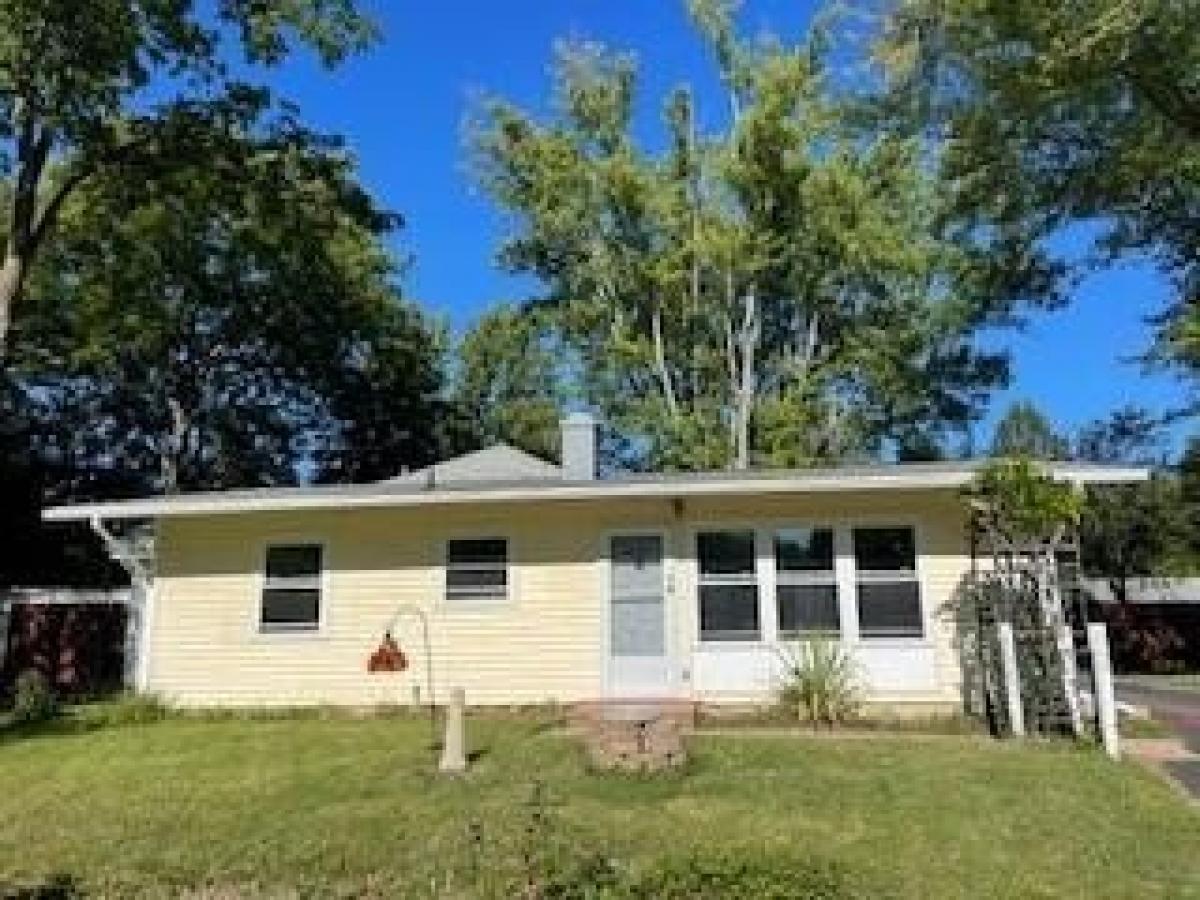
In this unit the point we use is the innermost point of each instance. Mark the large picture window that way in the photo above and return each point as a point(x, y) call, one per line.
point(806, 594)
point(477, 569)
point(889, 593)
point(291, 596)
point(728, 586)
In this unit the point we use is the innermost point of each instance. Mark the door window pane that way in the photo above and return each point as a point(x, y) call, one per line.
point(637, 626)
point(636, 623)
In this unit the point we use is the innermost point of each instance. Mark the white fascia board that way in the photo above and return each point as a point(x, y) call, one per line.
point(216, 504)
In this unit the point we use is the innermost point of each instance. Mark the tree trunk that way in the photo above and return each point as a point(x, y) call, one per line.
point(748, 337)
point(11, 275)
point(660, 363)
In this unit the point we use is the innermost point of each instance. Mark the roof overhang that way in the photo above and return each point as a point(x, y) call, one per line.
point(936, 476)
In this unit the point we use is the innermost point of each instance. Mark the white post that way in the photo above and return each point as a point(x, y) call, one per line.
point(1012, 679)
point(1106, 704)
point(1066, 652)
point(454, 757)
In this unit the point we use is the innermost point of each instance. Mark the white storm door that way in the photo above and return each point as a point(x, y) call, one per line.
point(638, 660)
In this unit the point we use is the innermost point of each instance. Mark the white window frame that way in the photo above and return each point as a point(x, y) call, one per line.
point(830, 577)
point(318, 582)
point(889, 576)
point(756, 577)
point(458, 598)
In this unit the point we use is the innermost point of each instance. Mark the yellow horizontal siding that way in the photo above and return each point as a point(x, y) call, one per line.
point(546, 642)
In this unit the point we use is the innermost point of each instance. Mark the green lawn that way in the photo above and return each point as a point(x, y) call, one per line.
point(349, 807)
point(1184, 681)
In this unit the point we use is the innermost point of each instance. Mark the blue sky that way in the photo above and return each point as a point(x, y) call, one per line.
point(401, 108)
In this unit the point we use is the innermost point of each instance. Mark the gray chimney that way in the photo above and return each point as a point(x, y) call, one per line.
point(579, 447)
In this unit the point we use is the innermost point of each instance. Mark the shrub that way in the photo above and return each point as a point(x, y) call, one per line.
point(127, 709)
point(820, 682)
point(33, 700)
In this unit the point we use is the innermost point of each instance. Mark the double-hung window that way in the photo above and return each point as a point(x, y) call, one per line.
point(806, 592)
point(728, 586)
point(889, 592)
point(476, 570)
point(291, 594)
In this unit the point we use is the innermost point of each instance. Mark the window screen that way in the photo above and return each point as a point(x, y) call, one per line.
point(806, 595)
point(477, 569)
point(889, 594)
point(728, 586)
point(291, 597)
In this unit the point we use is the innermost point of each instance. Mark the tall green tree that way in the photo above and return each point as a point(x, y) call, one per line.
point(1044, 115)
point(118, 87)
point(511, 380)
point(1025, 431)
point(196, 330)
point(773, 291)
point(1135, 530)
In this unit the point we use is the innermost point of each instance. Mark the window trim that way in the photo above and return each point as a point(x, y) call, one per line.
point(830, 577)
point(891, 576)
point(843, 526)
point(758, 577)
point(465, 600)
point(261, 629)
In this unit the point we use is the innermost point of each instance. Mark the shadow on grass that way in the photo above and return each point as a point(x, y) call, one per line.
point(56, 887)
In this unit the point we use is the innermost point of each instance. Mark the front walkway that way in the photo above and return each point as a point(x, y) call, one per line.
point(1180, 711)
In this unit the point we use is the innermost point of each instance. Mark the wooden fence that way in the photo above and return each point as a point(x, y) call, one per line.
point(83, 641)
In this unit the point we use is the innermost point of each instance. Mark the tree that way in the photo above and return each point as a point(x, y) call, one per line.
point(118, 87)
point(197, 330)
point(1134, 530)
point(773, 292)
point(1048, 114)
point(510, 380)
point(1025, 431)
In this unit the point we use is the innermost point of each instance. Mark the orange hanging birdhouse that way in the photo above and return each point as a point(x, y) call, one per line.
point(388, 657)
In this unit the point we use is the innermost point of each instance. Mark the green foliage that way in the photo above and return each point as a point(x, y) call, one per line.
point(1021, 505)
point(1050, 114)
point(511, 377)
point(207, 328)
point(120, 91)
point(821, 682)
point(388, 827)
point(34, 701)
point(775, 291)
point(1025, 431)
point(127, 709)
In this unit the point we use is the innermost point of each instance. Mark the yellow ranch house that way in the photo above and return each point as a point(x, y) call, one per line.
point(524, 582)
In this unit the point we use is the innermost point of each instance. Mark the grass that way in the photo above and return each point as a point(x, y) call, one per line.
point(1139, 728)
point(334, 806)
point(1182, 681)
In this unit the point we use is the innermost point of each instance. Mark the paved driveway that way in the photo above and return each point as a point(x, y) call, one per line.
point(1179, 710)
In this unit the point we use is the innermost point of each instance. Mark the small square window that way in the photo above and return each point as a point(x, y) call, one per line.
point(477, 569)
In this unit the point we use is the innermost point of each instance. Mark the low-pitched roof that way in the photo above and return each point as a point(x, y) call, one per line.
point(503, 474)
point(499, 462)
